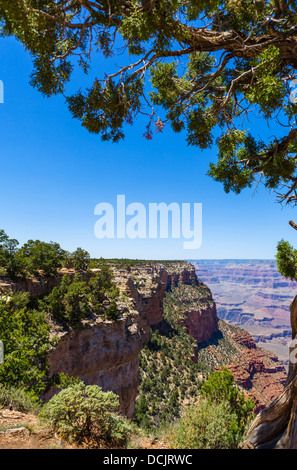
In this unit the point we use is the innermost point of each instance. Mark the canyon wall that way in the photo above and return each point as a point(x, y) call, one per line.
point(147, 285)
point(257, 371)
point(105, 353)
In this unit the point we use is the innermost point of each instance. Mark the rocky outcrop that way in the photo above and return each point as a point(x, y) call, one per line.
point(201, 323)
point(195, 310)
point(242, 337)
point(257, 371)
point(146, 285)
point(37, 287)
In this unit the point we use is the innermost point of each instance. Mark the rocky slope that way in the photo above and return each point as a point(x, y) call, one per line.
point(257, 371)
point(20, 430)
point(106, 353)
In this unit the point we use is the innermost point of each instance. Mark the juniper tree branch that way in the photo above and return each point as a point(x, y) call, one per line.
point(293, 224)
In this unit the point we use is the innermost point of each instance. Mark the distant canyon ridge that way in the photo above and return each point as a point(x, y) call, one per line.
point(253, 295)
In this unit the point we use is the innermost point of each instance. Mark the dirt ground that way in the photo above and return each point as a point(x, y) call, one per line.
point(24, 431)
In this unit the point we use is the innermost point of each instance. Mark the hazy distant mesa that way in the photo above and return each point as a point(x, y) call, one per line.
point(253, 295)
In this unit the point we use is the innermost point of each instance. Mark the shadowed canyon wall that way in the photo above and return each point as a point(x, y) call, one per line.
point(106, 353)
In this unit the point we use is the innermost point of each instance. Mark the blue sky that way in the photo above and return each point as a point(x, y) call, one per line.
point(53, 173)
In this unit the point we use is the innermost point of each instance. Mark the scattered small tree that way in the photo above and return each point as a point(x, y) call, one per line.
point(72, 301)
point(219, 420)
point(76, 302)
point(25, 334)
point(102, 286)
point(69, 301)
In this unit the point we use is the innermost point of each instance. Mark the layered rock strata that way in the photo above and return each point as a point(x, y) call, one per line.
point(106, 353)
point(257, 371)
point(253, 295)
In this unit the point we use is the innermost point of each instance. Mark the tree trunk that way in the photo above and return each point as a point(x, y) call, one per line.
point(275, 427)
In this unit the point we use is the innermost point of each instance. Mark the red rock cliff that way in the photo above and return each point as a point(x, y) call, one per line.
point(106, 353)
point(259, 372)
point(195, 310)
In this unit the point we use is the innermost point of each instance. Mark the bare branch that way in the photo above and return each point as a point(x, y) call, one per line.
point(293, 224)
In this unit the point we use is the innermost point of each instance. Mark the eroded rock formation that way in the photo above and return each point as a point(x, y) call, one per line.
point(276, 426)
point(253, 295)
point(106, 353)
point(257, 371)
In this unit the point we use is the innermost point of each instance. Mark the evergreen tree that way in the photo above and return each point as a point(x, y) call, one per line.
point(209, 63)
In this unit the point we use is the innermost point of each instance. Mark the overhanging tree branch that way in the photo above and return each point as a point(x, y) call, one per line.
point(209, 63)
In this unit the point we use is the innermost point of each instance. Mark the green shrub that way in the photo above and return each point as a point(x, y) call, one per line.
point(79, 259)
point(55, 300)
point(219, 387)
point(61, 380)
point(25, 335)
point(69, 302)
point(42, 259)
point(286, 260)
point(84, 413)
point(102, 288)
point(10, 261)
point(76, 302)
point(73, 301)
point(112, 312)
